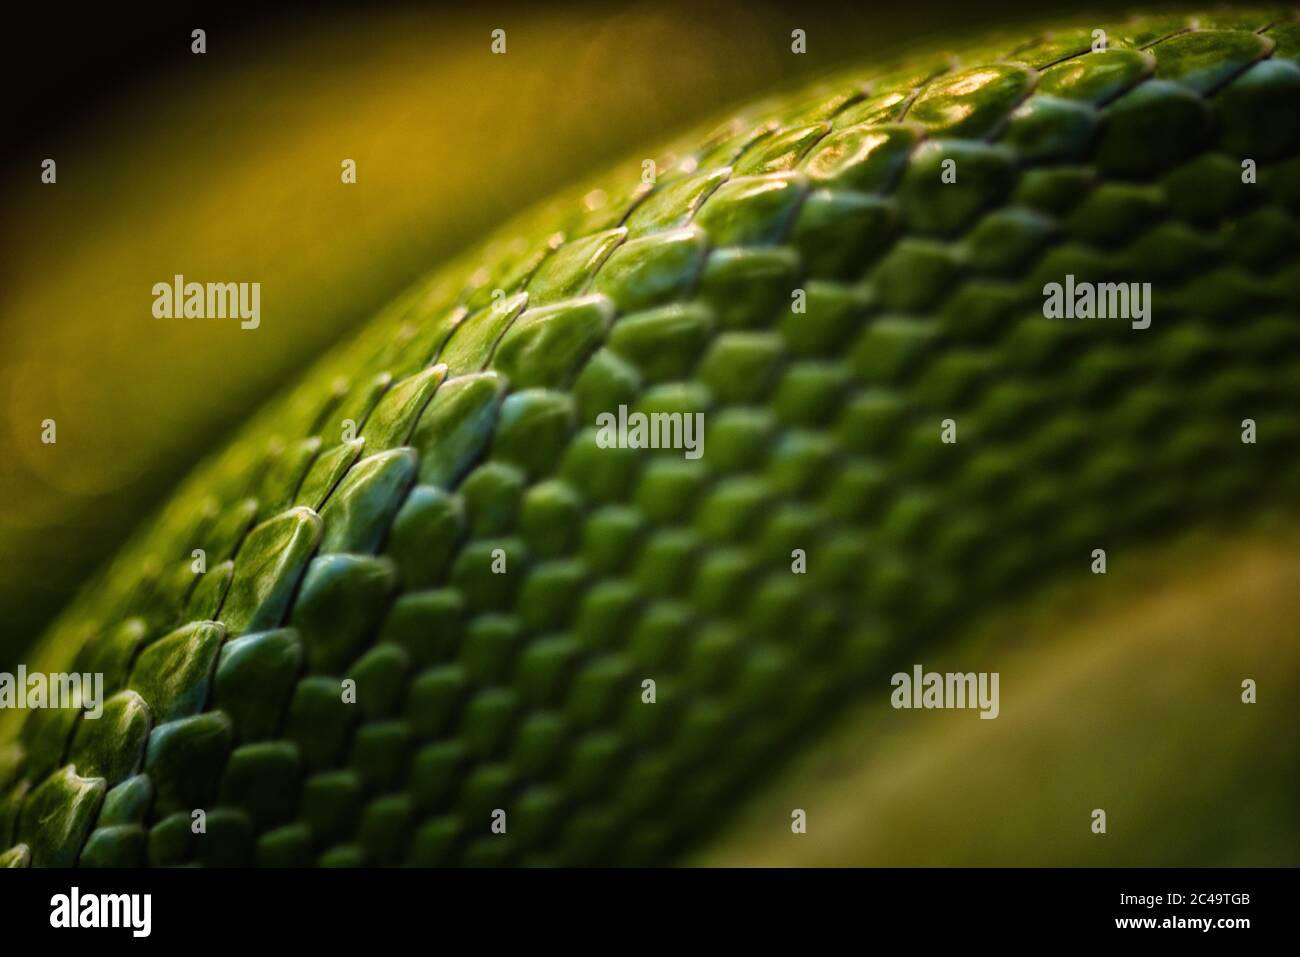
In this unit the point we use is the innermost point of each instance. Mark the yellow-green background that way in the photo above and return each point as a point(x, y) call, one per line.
point(225, 167)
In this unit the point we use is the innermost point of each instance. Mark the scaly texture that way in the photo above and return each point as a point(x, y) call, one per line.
point(475, 399)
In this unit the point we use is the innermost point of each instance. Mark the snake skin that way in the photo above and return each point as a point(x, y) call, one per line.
point(475, 397)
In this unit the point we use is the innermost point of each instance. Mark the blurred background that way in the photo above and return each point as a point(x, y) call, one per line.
point(1119, 693)
point(226, 166)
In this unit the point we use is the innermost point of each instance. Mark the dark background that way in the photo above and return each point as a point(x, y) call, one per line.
point(95, 87)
